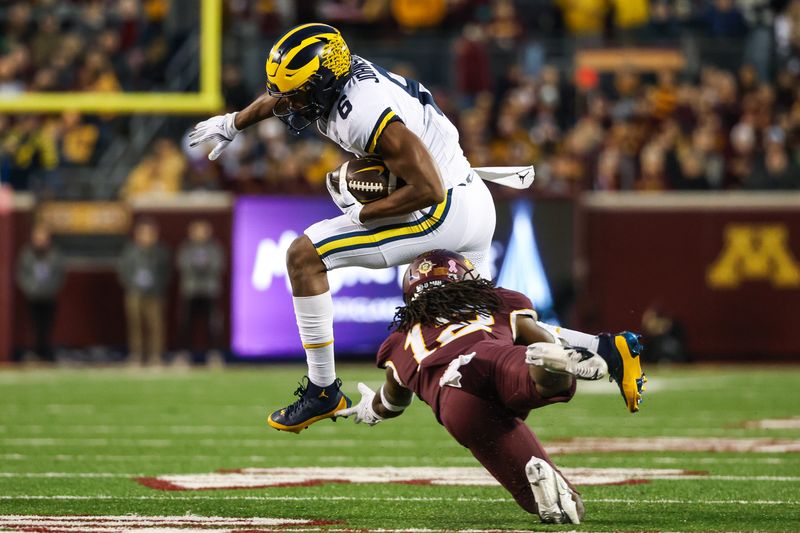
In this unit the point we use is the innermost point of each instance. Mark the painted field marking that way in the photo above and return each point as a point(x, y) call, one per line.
point(188, 523)
point(672, 444)
point(65, 475)
point(252, 478)
point(216, 443)
point(382, 459)
point(774, 423)
point(576, 445)
point(683, 459)
point(163, 498)
point(302, 459)
point(119, 524)
point(107, 429)
point(281, 477)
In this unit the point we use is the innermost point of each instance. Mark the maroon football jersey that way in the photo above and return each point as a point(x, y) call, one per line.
point(420, 355)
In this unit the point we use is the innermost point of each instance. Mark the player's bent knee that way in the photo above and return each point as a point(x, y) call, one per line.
point(302, 258)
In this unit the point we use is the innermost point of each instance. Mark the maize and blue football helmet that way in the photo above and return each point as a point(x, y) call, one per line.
point(306, 70)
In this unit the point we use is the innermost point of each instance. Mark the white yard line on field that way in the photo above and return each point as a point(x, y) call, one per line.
point(108, 429)
point(216, 443)
point(133, 475)
point(574, 445)
point(302, 459)
point(66, 475)
point(162, 498)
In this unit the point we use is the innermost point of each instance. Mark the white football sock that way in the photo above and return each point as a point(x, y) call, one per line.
point(573, 338)
point(314, 316)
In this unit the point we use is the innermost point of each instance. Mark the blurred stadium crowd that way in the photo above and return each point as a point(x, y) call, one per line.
point(728, 119)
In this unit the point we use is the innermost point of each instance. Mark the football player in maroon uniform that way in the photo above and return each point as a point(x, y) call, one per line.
point(475, 353)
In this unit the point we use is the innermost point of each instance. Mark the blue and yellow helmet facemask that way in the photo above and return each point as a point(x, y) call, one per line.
point(306, 70)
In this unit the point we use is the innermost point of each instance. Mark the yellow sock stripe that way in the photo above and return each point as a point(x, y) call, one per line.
point(318, 345)
point(379, 130)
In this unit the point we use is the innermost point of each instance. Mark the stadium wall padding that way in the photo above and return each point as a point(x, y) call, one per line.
point(90, 306)
point(725, 265)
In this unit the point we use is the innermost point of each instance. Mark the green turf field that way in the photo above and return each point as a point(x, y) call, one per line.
point(74, 442)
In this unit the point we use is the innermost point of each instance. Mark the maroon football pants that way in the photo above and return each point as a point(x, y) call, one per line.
point(486, 416)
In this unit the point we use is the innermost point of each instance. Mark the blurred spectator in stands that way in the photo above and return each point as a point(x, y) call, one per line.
point(774, 170)
point(629, 17)
point(19, 23)
point(556, 97)
point(747, 79)
point(5, 151)
point(741, 163)
point(40, 276)
point(58, 46)
point(704, 140)
point(608, 176)
point(472, 64)
point(31, 147)
point(144, 272)
point(663, 98)
point(584, 17)
point(47, 39)
point(234, 90)
point(326, 158)
point(692, 174)
point(653, 176)
point(663, 26)
point(159, 173)
point(411, 14)
point(504, 28)
point(201, 263)
point(787, 36)
point(724, 19)
point(79, 140)
point(109, 44)
point(664, 337)
point(9, 77)
point(627, 87)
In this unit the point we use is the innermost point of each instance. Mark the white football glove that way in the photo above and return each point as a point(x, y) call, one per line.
point(343, 198)
point(363, 411)
point(219, 129)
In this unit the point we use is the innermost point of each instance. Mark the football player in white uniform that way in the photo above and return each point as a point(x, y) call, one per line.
point(313, 79)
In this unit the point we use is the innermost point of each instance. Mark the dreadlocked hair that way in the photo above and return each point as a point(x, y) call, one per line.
point(452, 302)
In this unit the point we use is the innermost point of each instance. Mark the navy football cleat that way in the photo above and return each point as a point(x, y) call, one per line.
point(314, 403)
point(621, 353)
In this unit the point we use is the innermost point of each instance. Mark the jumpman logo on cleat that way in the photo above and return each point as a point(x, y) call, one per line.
point(323, 394)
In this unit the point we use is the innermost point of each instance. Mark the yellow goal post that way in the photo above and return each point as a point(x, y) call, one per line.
point(208, 99)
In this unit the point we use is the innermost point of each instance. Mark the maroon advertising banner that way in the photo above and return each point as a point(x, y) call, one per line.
point(726, 266)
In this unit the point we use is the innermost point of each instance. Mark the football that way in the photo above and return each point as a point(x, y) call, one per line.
point(368, 179)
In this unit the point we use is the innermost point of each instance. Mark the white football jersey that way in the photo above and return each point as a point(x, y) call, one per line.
point(373, 98)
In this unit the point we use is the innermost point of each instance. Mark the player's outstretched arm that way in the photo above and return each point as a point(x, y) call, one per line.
point(406, 156)
point(547, 383)
point(528, 331)
point(261, 108)
point(392, 399)
point(221, 129)
point(389, 402)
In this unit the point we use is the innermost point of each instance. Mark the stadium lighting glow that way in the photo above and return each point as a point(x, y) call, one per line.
point(522, 268)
